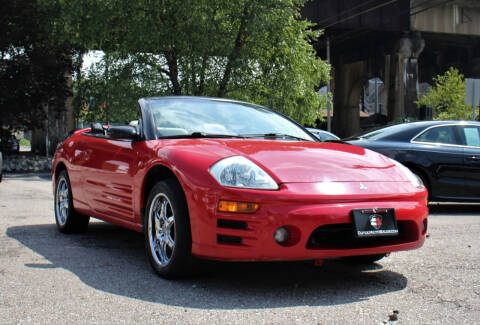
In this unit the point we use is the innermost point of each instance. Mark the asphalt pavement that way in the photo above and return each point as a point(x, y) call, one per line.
point(103, 277)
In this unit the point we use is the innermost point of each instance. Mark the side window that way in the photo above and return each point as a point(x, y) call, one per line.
point(472, 135)
point(441, 134)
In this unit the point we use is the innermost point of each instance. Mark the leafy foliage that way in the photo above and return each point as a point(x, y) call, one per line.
point(447, 97)
point(258, 51)
point(33, 65)
point(116, 82)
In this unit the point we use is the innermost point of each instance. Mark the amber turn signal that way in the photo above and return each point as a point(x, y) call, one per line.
point(237, 207)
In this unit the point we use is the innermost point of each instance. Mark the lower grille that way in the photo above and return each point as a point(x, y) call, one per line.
point(232, 224)
point(341, 236)
point(233, 240)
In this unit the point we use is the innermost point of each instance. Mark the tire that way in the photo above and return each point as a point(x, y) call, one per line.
point(167, 230)
point(364, 259)
point(67, 219)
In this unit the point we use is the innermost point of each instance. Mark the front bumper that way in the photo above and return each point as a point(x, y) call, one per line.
point(321, 223)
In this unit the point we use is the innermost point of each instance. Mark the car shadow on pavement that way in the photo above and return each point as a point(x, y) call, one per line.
point(112, 259)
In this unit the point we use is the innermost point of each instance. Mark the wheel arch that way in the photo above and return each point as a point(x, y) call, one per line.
point(59, 168)
point(155, 174)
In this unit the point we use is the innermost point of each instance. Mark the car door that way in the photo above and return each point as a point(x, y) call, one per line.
point(77, 157)
point(109, 172)
point(442, 148)
point(471, 138)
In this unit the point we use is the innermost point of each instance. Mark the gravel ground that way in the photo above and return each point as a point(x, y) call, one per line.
point(103, 277)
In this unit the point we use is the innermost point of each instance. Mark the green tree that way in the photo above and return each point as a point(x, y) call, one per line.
point(258, 51)
point(116, 82)
point(447, 97)
point(33, 65)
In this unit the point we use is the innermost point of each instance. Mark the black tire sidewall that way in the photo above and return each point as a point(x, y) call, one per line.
point(63, 175)
point(181, 256)
point(74, 222)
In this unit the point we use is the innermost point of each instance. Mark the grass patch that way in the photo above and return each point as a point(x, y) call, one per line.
point(25, 143)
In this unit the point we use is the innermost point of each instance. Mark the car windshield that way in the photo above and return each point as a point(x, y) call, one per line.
point(184, 117)
point(323, 135)
point(327, 137)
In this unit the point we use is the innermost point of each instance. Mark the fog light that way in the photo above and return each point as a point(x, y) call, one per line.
point(281, 235)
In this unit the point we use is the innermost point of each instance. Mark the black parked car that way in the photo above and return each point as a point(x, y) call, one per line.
point(444, 154)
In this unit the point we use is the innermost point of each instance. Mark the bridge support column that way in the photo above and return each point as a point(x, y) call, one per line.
point(349, 80)
point(404, 87)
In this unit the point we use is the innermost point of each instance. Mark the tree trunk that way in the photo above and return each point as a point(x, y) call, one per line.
point(171, 57)
point(38, 141)
point(239, 42)
point(56, 125)
point(201, 85)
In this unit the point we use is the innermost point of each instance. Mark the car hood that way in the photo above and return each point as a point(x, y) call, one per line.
point(300, 161)
point(319, 162)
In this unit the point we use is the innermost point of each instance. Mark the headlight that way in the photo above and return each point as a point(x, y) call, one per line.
point(414, 179)
point(238, 171)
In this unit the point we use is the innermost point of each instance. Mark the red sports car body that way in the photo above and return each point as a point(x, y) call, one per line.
point(200, 181)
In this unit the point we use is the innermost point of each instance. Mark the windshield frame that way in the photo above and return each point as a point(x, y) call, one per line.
point(148, 108)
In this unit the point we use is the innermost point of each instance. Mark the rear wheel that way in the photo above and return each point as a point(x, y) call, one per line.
point(67, 219)
point(167, 230)
point(364, 259)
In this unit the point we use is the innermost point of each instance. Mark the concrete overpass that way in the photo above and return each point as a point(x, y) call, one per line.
point(401, 42)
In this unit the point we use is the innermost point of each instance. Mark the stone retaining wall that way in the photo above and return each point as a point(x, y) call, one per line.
point(26, 164)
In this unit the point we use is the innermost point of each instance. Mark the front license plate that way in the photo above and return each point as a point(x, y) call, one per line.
point(374, 222)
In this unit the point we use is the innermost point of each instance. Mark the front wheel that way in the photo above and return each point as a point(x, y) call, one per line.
point(167, 230)
point(67, 219)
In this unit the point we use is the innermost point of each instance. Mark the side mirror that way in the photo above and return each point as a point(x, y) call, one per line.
point(122, 132)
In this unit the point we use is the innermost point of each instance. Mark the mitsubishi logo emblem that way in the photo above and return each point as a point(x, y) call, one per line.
point(376, 221)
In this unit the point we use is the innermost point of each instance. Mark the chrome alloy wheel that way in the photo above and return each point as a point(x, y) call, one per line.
point(62, 201)
point(161, 229)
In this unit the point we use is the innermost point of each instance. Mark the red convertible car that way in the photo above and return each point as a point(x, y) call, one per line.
point(228, 180)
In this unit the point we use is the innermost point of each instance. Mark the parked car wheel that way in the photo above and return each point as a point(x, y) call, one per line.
point(67, 219)
point(364, 259)
point(167, 230)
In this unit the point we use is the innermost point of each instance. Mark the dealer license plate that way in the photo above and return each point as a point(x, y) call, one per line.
point(374, 222)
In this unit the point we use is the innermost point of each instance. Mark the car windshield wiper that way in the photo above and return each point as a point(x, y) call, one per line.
point(194, 135)
point(274, 135)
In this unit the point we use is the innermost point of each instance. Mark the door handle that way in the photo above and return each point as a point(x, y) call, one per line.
point(473, 158)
